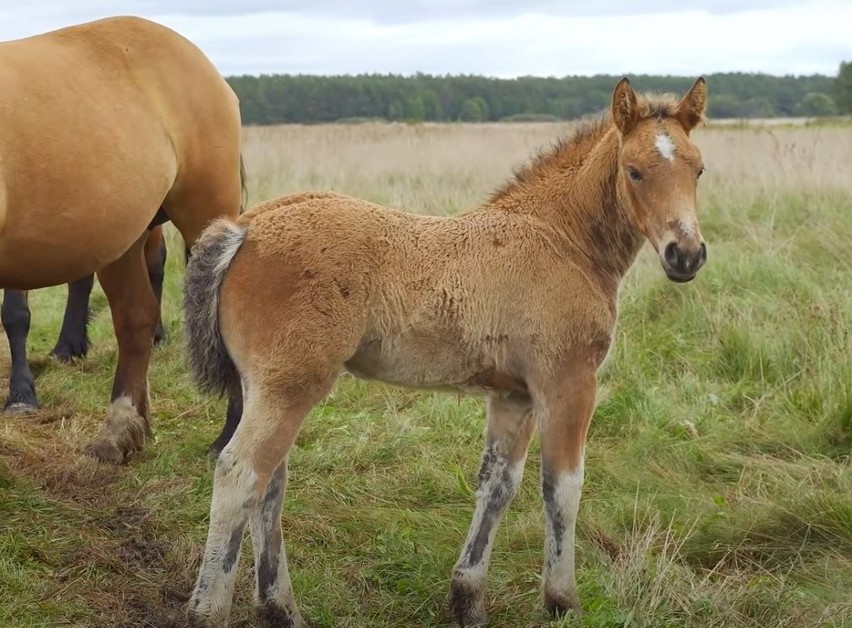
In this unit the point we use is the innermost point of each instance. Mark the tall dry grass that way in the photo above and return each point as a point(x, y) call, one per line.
point(444, 168)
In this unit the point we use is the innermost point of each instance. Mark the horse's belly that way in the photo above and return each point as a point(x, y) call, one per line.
point(59, 253)
point(437, 365)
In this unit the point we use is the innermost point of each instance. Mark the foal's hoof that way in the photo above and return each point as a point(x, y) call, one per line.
point(468, 604)
point(558, 606)
point(105, 451)
point(271, 616)
point(19, 407)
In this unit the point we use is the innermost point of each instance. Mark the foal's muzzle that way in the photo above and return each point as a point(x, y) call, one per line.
point(682, 261)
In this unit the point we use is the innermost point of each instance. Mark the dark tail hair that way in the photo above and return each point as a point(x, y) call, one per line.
point(211, 366)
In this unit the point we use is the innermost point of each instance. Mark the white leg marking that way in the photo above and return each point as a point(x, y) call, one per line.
point(233, 499)
point(492, 500)
point(124, 431)
point(562, 502)
point(497, 486)
point(665, 145)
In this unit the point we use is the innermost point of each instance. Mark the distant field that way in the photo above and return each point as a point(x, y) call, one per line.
point(718, 482)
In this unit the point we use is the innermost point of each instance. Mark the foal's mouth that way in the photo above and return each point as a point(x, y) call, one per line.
point(678, 277)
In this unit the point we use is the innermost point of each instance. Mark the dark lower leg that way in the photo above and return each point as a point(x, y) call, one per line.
point(73, 341)
point(232, 420)
point(15, 314)
point(155, 261)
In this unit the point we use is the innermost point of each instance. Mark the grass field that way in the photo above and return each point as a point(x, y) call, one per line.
point(718, 482)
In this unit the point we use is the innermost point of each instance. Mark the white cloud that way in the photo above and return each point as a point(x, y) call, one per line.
point(491, 37)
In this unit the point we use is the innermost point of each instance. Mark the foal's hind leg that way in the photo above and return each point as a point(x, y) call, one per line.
point(134, 317)
point(73, 341)
point(273, 593)
point(510, 428)
point(15, 314)
point(249, 481)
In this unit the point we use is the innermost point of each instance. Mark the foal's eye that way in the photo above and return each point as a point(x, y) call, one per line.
point(634, 174)
point(700, 172)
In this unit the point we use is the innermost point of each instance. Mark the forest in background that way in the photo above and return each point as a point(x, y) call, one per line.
point(281, 98)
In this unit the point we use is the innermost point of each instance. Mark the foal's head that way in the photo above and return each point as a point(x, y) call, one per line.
point(658, 171)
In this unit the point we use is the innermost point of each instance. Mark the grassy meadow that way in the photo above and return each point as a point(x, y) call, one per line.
point(718, 483)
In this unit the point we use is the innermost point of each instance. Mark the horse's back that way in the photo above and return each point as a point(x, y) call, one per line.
point(100, 121)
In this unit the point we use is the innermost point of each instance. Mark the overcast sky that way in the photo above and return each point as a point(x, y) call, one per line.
point(502, 38)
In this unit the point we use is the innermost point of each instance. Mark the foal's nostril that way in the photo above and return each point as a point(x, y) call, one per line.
point(703, 255)
point(670, 255)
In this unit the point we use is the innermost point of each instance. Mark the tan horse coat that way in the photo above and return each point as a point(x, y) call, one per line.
point(101, 125)
point(515, 300)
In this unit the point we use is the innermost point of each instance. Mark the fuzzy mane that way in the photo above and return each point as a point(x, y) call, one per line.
point(573, 148)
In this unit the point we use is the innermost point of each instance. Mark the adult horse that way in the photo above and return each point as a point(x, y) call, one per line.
point(73, 340)
point(515, 300)
point(107, 129)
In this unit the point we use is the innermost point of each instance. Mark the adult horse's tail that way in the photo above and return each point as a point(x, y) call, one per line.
point(212, 367)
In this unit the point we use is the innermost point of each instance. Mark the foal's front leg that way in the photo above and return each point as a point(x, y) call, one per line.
point(510, 427)
point(565, 410)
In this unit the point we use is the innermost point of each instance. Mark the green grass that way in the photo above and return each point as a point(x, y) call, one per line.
point(718, 483)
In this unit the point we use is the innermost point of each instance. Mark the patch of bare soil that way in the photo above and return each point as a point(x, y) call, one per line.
point(110, 556)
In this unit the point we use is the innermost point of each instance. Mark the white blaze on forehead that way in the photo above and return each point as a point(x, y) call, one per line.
point(665, 146)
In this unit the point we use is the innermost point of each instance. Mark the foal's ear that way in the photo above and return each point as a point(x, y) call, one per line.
point(625, 111)
point(690, 109)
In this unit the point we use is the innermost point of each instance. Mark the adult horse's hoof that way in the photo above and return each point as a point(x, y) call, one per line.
point(105, 451)
point(19, 407)
point(67, 351)
point(122, 433)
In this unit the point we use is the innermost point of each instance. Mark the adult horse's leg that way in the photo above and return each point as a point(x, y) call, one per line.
point(155, 260)
point(510, 428)
point(232, 419)
point(73, 341)
point(15, 314)
point(191, 212)
point(134, 316)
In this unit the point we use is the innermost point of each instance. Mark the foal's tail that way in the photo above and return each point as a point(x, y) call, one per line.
point(212, 367)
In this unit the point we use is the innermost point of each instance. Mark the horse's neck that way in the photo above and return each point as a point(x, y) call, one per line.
point(580, 204)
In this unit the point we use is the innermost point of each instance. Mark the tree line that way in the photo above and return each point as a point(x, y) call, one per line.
point(283, 98)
